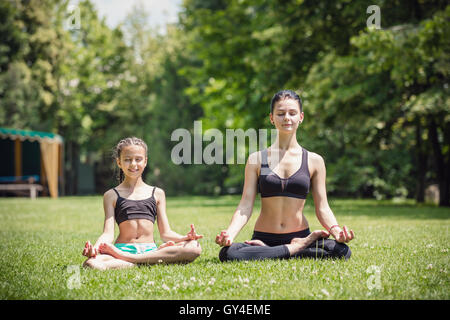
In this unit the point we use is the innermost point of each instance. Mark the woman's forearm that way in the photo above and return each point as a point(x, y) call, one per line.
point(239, 220)
point(329, 222)
point(326, 217)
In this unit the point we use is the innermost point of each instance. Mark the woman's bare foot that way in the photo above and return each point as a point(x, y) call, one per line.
point(298, 244)
point(256, 243)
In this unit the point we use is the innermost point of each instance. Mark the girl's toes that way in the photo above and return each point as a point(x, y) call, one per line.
point(167, 244)
point(103, 248)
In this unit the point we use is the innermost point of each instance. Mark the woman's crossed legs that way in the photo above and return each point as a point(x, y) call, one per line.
point(302, 244)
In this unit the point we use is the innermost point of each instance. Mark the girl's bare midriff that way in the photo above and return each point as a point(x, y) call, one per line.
point(135, 231)
point(281, 215)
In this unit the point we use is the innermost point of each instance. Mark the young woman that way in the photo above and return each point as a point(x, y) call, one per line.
point(284, 173)
point(135, 206)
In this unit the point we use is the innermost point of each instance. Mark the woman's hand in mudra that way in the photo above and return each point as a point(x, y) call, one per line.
point(224, 239)
point(342, 235)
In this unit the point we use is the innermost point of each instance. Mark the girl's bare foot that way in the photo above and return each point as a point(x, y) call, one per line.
point(255, 243)
point(94, 264)
point(298, 244)
point(106, 248)
point(167, 244)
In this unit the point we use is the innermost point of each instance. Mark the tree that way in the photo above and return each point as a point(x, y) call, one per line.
point(392, 93)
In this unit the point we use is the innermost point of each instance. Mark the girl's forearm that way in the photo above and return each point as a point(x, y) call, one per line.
point(104, 238)
point(172, 236)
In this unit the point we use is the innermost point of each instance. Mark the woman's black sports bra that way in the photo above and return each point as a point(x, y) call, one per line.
point(296, 186)
point(127, 209)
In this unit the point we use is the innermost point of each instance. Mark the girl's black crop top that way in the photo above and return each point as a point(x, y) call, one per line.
point(296, 186)
point(127, 209)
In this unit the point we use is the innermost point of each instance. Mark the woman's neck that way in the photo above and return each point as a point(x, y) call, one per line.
point(286, 141)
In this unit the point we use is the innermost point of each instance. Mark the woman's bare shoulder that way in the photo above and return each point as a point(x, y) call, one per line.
point(315, 157)
point(254, 158)
point(315, 162)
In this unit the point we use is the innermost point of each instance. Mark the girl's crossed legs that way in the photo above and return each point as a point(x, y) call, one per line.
point(114, 258)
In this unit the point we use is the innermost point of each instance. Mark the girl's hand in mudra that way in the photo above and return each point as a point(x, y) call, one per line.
point(89, 250)
point(192, 235)
point(342, 235)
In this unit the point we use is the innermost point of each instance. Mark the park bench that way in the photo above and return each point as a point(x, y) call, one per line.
point(20, 184)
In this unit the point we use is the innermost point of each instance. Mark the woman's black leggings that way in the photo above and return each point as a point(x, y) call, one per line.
point(276, 248)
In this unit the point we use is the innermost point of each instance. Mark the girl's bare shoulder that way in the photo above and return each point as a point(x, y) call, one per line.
point(109, 193)
point(110, 196)
point(158, 193)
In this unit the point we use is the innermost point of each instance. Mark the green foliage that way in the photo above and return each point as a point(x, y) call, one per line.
point(30, 59)
point(375, 101)
point(373, 96)
point(362, 89)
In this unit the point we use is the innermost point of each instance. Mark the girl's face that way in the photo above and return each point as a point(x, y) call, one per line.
point(286, 115)
point(132, 161)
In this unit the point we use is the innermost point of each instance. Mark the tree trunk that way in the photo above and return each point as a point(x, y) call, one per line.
point(441, 169)
point(73, 152)
point(421, 163)
point(446, 190)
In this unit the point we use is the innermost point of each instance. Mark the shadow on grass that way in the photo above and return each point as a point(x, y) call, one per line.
point(377, 209)
point(407, 209)
point(208, 260)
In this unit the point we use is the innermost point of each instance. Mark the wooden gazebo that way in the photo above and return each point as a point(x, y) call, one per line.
point(31, 156)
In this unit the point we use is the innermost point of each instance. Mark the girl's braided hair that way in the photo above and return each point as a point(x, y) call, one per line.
point(118, 150)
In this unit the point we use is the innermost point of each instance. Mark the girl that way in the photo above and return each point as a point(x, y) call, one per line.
point(284, 173)
point(135, 206)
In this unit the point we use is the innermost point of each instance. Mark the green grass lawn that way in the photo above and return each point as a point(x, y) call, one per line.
point(400, 252)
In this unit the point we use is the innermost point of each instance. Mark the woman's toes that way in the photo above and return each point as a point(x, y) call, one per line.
point(300, 241)
point(318, 234)
point(255, 243)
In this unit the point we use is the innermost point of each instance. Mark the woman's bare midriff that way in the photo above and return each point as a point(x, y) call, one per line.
point(135, 231)
point(281, 215)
